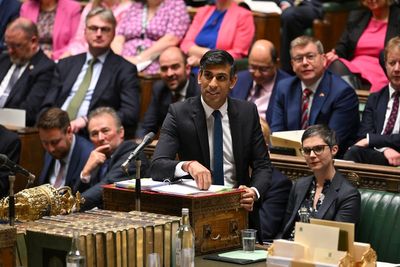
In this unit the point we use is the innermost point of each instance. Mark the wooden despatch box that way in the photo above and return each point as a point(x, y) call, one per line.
point(216, 218)
point(7, 245)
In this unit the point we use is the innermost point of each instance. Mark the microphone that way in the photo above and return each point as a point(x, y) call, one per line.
point(146, 140)
point(14, 167)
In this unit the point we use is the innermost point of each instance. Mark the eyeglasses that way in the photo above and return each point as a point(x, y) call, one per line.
point(310, 57)
point(318, 150)
point(261, 69)
point(94, 29)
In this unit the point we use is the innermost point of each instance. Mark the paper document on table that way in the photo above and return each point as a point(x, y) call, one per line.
point(263, 6)
point(187, 187)
point(12, 118)
point(145, 183)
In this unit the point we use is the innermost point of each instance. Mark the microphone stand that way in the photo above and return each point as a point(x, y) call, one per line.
point(138, 188)
point(11, 199)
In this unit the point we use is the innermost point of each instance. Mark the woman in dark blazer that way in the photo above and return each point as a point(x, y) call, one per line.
point(326, 194)
point(366, 34)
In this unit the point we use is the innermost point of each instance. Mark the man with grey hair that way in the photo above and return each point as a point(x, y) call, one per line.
point(25, 71)
point(96, 78)
point(104, 163)
point(314, 95)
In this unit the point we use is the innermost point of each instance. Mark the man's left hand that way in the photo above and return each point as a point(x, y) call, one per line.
point(78, 124)
point(248, 198)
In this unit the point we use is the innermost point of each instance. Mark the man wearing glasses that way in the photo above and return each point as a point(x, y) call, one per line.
point(314, 96)
point(96, 78)
point(326, 194)
point(258, 83)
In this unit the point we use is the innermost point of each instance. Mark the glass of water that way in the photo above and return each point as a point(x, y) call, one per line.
point(249, 239)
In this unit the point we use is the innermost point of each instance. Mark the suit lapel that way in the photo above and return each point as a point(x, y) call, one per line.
point(381, 110)
point(103, 81)
point(69, 81)
point(319, 98)
point(302, 191)
point(199, 120)
point(5, 68)
point(294, 107)
point(330, 195)
point(236, 134)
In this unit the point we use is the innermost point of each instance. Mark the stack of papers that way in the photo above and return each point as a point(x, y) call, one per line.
point(185, 187)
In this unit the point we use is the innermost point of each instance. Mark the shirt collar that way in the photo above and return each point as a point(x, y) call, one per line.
point(312, 87)
point(209, 110)
point(100, 58)
point(391, 91)
point(68, 157)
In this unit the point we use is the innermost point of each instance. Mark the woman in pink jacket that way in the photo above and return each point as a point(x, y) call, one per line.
point(57, 21)
point(224, 25)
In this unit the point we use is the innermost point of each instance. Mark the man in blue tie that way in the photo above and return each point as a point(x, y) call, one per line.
point(218, 139)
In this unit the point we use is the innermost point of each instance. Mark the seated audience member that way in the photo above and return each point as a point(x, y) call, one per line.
point(78, 43)
point(272, 209)
point(326, 194)
point(380, 126)
point(258, 83)
point(296, 17)
point(25, 72)
point(314, 96)
point(9, 10)
point(356, 55)
point(177, 84)
point(104, 163)
point(148, 28)
point(10, 146)
point(96, 78)
point(218, 139)
point(66, 153)
point(224, 26)
point(57, 22)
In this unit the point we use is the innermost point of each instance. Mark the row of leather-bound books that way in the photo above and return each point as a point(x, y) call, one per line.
point(107, 238)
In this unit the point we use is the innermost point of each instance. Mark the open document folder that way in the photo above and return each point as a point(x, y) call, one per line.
point(184, 187)
point(288, 139)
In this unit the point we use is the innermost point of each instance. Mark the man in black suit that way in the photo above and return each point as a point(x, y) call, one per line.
point(217, 138)
point(177, 84)
point(10, 146)
point(104, 164)
point(66, 153)
point(25, 72)
point(96, 78)
point(258, 83)
point(379, 132)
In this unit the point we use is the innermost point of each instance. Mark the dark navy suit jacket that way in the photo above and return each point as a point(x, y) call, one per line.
point(244, 85)
point(117, 87)
point(32, 86)
point(80, 155)
point(160, 101)
point(335, 104)
point(9, 10)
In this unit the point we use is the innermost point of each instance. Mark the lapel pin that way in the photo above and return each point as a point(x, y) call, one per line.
point(321, 95)
point(30, 67)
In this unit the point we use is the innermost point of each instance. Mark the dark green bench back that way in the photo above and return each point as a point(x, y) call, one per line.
point(380, 223)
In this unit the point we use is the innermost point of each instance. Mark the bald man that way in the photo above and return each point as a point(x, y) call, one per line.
point(176, 84)
point(25, 72)
point(257, 84)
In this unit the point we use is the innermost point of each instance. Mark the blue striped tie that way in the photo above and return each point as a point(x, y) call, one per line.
point(218, 170)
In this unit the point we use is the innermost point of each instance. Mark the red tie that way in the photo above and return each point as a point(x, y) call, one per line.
point(304, 108)
point(393, 114)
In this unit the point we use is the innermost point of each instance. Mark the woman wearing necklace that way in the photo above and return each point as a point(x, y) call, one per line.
point(79, 44)
point(326, 194)
point(224, 25)
point(148, 28)
point(57, 21)
point(356, 55)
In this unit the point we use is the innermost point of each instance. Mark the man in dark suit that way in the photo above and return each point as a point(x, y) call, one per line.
point(104, 164)
point(296, 17)
point(177, 84)
point(326, 194)
point(10, 146)
point(258, 83)
point(66, 153)
point(25, 72)
point(96, 78)
point(217, 138)
point(379, 131)
point(9, 10)
point(315, 96)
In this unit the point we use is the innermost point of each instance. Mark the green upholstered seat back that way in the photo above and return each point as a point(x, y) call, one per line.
point(380, 223)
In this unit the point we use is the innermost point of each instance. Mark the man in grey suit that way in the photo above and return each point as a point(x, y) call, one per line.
point(326, 194)
point(97, 78)
point(216, 138)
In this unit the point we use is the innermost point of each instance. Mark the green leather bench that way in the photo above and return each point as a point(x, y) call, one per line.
point(380, 223)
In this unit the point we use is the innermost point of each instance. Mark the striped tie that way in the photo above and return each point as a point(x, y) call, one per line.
point(393, 114)
point(304, 108)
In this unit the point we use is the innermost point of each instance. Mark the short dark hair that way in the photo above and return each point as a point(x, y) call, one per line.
point(323, 131)
point(217, 57)
point(53, 118)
